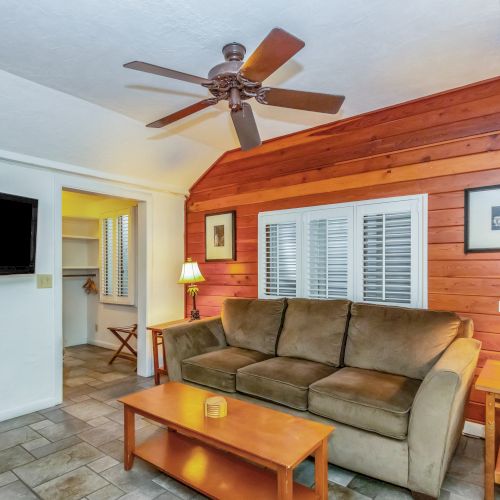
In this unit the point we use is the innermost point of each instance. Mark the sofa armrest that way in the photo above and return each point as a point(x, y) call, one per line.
point(436, 419)
point(189, 339)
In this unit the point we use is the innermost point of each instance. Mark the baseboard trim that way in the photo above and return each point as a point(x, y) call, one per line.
point(42, 404)
point(104, 344)
point(473, 429)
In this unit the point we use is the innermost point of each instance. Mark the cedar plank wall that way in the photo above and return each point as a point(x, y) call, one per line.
point(438, 145)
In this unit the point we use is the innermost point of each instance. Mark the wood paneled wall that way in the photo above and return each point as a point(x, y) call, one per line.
point(438, 145)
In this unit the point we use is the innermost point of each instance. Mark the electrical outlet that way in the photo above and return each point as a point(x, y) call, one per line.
point(96, 327)
point(44, 280)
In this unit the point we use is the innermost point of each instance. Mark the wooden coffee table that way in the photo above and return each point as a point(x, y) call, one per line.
point(249, 454)
point(489, 382)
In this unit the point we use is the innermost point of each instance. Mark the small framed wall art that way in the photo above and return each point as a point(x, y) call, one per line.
point(482, 219)
point(220, 236)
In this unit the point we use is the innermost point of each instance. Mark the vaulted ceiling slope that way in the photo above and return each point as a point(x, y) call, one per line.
point(64, 95)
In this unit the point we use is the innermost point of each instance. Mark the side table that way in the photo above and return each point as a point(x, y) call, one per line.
point(489, 382)
point(157, 333)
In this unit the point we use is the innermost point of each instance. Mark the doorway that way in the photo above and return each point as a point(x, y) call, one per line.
point(99, 284)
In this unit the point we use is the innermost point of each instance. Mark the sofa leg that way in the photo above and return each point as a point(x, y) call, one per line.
point(421, 496)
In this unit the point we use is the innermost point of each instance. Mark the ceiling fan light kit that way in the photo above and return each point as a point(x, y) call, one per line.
point(236, 81)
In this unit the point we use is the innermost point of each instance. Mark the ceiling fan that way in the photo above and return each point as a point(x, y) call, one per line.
point(236, 81)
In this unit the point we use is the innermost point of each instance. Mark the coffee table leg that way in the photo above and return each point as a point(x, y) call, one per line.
point(321, 470)
point(129, 442)
point(155, 358)
point(285, 483)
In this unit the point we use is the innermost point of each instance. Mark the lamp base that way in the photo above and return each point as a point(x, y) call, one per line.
point(195, 314)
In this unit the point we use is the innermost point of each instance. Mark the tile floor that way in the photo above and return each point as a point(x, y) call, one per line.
point(74, 450)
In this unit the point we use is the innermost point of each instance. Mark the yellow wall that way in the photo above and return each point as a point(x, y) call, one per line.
point(91, 206)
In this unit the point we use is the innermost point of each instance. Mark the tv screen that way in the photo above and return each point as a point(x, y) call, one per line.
point(18, 247)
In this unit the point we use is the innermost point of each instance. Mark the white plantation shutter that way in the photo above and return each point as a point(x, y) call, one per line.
point(387, 258)
point(389, 254)
point(122, 255)
point(368, 251)
point(107, 256)
point(329, 254)
point(278, 247)
point(117, 257)
point(281, 266)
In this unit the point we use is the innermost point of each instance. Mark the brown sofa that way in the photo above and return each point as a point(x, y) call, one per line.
point(393, 381)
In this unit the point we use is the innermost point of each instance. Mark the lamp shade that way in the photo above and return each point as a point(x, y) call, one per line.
point(190, 273)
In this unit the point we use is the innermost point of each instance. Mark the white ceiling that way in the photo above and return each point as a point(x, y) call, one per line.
point(376, 53)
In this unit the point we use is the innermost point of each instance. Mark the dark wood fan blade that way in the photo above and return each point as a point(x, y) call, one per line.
point(182, 113)
point(246, 128)
point(169, 73)
point(308, 101)
point(273, 52)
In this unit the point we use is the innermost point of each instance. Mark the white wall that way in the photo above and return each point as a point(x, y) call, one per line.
point(110, 315)
point(27, 322)
point(77, 307)
point(31, 318)
point(86, 320)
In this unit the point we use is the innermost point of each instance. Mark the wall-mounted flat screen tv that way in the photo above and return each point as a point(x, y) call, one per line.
point(18, 236)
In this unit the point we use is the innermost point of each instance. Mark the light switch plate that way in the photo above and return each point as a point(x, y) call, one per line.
point(44, 280)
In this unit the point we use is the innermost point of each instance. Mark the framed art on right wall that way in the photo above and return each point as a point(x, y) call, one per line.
point(482, 219)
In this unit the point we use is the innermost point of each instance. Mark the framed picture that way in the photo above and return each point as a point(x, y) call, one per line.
point(220, 236)
point(482, 219)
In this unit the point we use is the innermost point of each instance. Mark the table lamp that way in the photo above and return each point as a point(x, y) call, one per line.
point(190, 275)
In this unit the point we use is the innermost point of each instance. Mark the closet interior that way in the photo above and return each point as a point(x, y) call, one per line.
point(98, 261)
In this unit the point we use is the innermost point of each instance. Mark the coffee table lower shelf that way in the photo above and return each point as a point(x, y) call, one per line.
point(214, 473)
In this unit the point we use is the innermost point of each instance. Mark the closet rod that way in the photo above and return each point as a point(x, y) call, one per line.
point(78, 275)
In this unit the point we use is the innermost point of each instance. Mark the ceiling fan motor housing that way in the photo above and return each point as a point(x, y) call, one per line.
point(228, 68)
point(227, 83)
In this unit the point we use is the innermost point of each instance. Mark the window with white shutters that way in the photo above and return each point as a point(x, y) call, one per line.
point(390, 257)
point(369, 251)
point(117, 252)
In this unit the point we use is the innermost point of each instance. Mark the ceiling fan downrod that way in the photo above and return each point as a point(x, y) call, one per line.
point(234, 99)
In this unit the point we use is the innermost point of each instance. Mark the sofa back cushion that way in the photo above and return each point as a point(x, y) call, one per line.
point(466, 328)
point(252, 323)
point(398, 340)
point(314, 330)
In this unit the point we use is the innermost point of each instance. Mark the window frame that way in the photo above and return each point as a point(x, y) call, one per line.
point(114, 298)
point(418, 205)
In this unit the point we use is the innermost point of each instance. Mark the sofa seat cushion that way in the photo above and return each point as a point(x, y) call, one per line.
point(314, 330)
point(374, 401)
point(253, 323)
point(218, 368)
point(282, 380)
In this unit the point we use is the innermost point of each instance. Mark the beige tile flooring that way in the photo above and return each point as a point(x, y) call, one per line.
point(74, 450)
